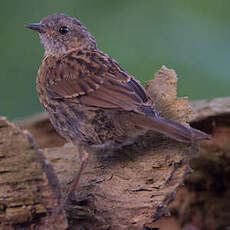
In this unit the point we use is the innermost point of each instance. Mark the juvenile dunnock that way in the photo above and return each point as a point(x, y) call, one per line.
point(90, 99)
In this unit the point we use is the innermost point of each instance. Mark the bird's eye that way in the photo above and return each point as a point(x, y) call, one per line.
point(63, 29)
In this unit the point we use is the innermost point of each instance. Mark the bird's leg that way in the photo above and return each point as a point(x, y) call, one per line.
point(83, 162)
point(71, 194)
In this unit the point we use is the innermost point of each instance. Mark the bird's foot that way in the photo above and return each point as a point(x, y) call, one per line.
point(71, 198)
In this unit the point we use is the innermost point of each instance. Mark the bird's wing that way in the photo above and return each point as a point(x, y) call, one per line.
point(94, 79)
point(100, 82)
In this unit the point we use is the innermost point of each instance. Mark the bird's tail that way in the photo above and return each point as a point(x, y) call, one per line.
point(172, 129)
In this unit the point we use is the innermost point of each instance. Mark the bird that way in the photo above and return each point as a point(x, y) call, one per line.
point(90, 99)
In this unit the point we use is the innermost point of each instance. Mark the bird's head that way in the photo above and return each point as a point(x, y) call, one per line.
point(60, 33)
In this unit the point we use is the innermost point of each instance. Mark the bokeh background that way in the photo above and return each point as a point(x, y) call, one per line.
point(193, 37)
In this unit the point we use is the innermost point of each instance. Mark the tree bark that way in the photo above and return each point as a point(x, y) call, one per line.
point(27, 196)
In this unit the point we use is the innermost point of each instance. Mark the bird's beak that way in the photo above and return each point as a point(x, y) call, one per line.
point(39, 27)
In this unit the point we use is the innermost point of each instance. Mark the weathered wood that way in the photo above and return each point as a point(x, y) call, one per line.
point(26, 197)
point(204, 201)
point(210, 108)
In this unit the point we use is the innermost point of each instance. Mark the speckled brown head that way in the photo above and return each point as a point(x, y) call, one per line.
point(60, 33)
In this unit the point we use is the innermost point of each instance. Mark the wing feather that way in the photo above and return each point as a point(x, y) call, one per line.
point(97, 80)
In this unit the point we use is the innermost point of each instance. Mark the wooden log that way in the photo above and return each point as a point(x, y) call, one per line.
point(27, 199)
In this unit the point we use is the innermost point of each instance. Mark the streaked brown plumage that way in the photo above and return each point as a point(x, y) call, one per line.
point(90, 99)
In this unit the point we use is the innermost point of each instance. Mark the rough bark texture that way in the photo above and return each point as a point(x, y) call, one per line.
point(128, 189)
point(26, 196)
point(203, 203)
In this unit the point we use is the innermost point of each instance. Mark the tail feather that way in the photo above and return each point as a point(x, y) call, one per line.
point(172, 129)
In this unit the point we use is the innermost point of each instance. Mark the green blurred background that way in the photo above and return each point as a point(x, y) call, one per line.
point(193, 37)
